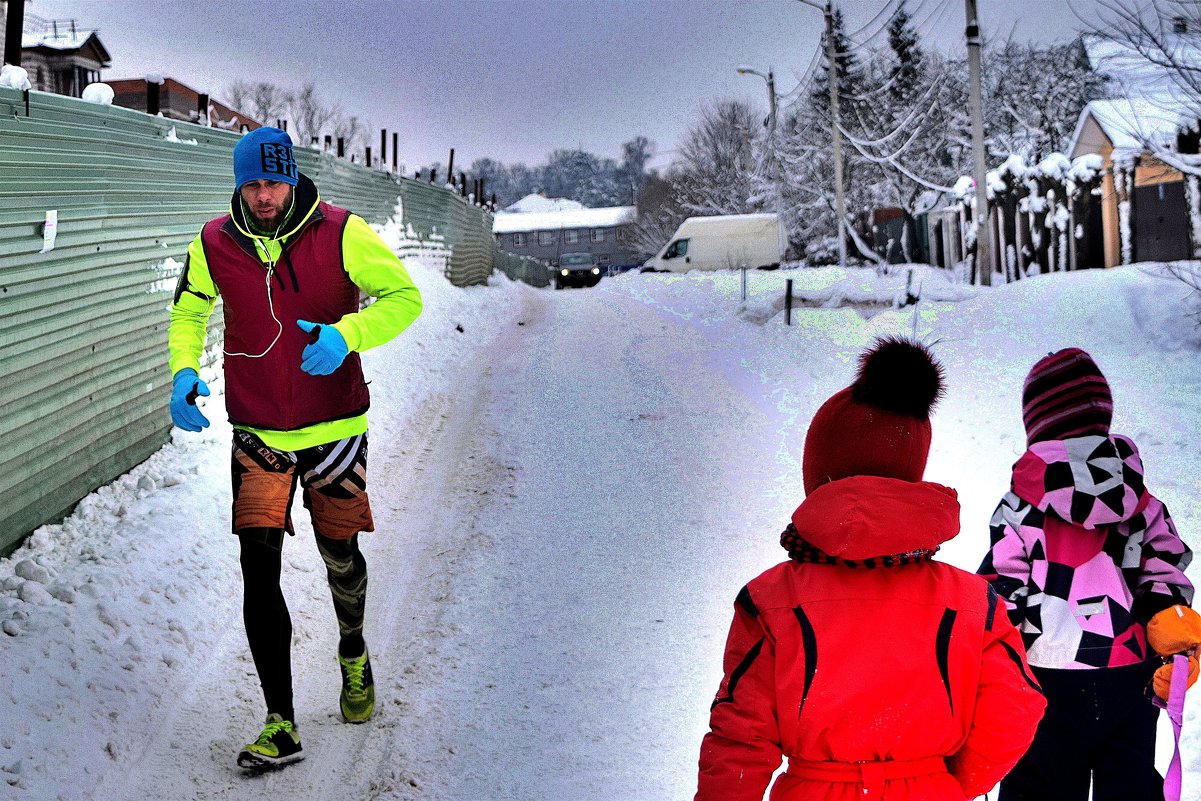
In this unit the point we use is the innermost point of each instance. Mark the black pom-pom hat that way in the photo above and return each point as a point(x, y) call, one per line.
point(880, 425)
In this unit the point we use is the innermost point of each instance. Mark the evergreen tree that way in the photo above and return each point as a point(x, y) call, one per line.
point(909, 66)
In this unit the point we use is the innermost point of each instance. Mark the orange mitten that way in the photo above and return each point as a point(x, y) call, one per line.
point(1173, 630)
point(1162, 680)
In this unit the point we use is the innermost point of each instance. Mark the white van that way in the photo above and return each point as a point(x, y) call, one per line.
point(725, 242)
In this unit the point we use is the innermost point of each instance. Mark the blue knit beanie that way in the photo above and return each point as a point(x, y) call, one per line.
point(264, 154)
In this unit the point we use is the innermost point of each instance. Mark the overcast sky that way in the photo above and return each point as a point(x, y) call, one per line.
point(515, 79)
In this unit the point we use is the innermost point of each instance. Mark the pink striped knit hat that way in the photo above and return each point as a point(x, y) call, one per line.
point(1066, 396)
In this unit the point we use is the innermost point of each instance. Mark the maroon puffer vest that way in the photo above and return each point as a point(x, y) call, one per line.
point(309, 283)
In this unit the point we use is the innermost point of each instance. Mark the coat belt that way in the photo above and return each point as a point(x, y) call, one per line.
point(871, 775)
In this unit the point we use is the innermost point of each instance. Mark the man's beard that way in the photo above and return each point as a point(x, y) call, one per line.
point(277, 220)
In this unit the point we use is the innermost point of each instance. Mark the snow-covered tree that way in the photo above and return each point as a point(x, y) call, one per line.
point(1034, 95)
point(715, 164)
point(1166, 36)
point(908, 136)
point(497, 178)
point(582, 176)
point(908, 70)
point(631, 173)
point(659, 214)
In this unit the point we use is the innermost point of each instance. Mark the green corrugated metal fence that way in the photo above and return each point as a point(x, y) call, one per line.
point(523, 268)
point(83, 327)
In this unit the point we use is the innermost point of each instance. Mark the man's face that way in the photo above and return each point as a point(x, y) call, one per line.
point(267, 201)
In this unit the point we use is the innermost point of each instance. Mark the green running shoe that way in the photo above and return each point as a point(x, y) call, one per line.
point(358, 689)
point(278, 745)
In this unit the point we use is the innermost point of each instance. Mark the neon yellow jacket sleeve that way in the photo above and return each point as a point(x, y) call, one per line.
point(376, 270)
point(195, 297)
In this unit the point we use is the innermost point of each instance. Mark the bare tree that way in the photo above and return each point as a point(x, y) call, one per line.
point(265, 102)
point(354, 132)
point(309, 114)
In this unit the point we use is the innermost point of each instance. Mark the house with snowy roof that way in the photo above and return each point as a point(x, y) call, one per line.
point(61, 57)
point(545, 228)
point(178, 101)
point(1147, 140)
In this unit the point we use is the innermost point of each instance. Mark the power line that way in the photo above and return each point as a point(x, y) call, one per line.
point(888, 7)
point(934, 19)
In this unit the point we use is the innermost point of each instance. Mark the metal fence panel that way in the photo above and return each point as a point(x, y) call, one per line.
point(523, 268)
point(84, 382)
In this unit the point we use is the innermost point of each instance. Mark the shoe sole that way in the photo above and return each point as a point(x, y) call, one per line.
point(349, 719)
point(257, 763)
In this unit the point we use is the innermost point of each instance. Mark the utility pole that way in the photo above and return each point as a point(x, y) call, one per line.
point(12, 34)
point(840, 208)
point(775, 156)
point(981, 215)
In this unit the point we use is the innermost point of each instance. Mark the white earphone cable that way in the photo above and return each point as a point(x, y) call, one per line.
point(270, 300)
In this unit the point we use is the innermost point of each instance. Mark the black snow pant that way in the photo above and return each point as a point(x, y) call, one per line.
point(265, 612)
point(1100, 727)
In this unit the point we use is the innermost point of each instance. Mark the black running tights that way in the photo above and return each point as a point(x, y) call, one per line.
point(265, 612)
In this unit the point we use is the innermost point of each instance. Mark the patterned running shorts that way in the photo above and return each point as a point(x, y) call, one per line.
point(333, 478)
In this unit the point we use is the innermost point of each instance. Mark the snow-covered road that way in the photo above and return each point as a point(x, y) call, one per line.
point(569, 489)
point(588, 578)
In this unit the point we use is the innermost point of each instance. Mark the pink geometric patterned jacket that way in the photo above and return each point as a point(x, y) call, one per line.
point(1084, 555)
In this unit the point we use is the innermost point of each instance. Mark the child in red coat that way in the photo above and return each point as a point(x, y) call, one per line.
point(879, 673)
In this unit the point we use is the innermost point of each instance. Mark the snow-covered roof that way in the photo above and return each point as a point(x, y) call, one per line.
point(64, 36)
point(536, 202)
point(1131, 124)
point(517, 222)
point(62, 39)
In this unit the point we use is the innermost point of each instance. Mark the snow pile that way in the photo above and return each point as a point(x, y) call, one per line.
point(100, 93)
point(569, 490)
point(14, 77)
point(172, 136)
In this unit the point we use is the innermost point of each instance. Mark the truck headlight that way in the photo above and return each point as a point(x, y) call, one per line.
point(566, 272)
point(596, 270)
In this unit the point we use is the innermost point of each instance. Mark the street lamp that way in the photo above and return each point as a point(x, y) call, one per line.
point(771, 134)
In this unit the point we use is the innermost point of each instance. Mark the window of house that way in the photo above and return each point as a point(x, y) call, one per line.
point(571, 237)
point(602, 258)
point(519, 240)
point(546, 237)
point(598, 234)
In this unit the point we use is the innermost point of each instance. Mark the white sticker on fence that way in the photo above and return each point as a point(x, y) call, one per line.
point(49, 230)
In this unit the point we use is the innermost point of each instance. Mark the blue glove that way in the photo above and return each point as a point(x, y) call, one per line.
point(326, 351)
point(185, 388)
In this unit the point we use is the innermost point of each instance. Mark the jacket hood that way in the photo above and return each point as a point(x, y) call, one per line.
point(305, 203)
point(1090, 481)
point(863, 517)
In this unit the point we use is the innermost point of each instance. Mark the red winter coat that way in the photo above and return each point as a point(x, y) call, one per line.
point(879, 677)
